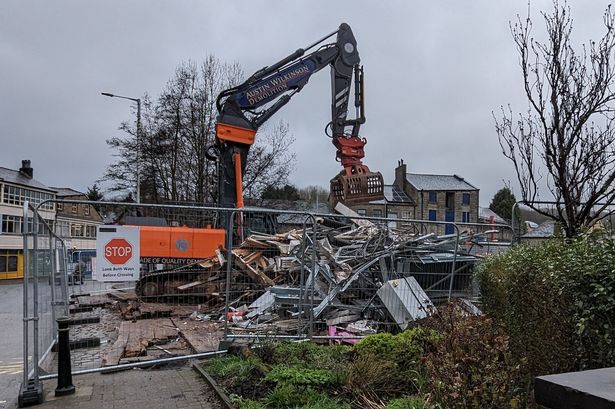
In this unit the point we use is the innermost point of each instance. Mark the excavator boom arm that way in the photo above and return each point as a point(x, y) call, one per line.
point(244, 108)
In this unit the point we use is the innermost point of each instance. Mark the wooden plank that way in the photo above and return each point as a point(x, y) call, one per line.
point(207, 263)
point(202, 336)
point(220, 257)
point(93, 300)
point(153, 310)
point(189, 285)
point(123, 295)
point(251, 242)
point(253, 273)
point(112, 355)
point(253, 257)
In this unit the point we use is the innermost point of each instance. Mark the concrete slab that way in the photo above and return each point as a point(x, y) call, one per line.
point(593, 389)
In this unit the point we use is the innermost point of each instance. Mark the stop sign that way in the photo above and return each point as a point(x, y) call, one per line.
point(118, 251)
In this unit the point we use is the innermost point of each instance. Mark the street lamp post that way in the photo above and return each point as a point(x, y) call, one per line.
point(138, 101)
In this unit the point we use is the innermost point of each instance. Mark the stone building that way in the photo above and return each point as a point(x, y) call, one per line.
point(76, 222)
point(395, 205)
point(418, 196)
point(447, 198)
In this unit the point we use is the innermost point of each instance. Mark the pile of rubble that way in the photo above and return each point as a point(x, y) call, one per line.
point(347, 278)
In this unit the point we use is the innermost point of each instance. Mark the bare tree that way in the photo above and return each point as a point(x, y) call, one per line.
point(270, 160)
point(565, 140)
point(176, 133)
point(314, 194)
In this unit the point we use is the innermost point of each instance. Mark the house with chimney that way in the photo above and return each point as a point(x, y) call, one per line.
point(76, 222)
point(419, 196)
point(17, 187)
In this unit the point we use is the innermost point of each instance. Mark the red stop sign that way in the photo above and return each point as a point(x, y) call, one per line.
point(118, 251)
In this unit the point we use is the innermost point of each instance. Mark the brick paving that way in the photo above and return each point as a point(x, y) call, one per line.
point(178, 387)
point(105, 330)
point(174, 386)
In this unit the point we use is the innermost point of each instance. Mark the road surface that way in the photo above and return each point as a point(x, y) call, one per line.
point(11, 347)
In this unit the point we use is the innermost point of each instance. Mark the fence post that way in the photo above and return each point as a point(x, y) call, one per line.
point(454, 264)
point(65, 377)
point(31, 390)
point(229, 268)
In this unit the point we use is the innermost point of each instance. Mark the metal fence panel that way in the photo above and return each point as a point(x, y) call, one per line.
point(208, 274)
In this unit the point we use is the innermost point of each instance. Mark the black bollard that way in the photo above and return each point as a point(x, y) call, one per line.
point(65, 375)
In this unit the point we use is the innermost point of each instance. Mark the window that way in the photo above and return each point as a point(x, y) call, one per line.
point(466, 199)
point(60, 206)
point(405, 215)
point(76, 230)
point(86, 210)
point(14, 195)
point(74, 208)
point(392, 223)
point(9, 261)
point(433, 197)
point(12, 263)
point(11, 224)
point(90, 231)
point(377, 213)
point(62, 228)
point(432, 215)
point(465, 217)
point(449, 200)
point(361, 212)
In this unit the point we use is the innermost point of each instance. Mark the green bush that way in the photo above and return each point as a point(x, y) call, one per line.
point(412, 402)
point(302, 376)
point(370, 375)
point(286, 395)
point(390, 365)
point(246, 403)
point(234, 367)
point(405, 347)
point(326, 403)
point(305, 354)
point(556, 301)
point(471, 365)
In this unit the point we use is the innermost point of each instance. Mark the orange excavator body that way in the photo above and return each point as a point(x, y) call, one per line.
point(162, 245)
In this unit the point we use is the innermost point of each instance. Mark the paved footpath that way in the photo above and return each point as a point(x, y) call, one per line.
point(11, 339)
point(172, 388)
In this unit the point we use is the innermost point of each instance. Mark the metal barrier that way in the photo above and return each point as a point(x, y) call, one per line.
point(523, 233)
point(482, 239)
point(341, 277)
point(318, 276)
point(44, 297)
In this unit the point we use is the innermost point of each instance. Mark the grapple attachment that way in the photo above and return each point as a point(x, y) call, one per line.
point(356, 188)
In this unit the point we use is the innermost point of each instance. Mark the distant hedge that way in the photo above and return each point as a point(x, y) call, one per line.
point(556, 302)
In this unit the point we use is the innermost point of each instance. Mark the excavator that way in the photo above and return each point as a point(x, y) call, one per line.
point(243, 109)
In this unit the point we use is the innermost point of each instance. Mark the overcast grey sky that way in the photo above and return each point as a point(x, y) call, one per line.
point(435, 71)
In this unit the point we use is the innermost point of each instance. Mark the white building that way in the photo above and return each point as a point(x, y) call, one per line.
point(17, 186)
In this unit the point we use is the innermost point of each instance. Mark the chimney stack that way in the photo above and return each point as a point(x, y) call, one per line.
point(400, 175)
point(26, 169)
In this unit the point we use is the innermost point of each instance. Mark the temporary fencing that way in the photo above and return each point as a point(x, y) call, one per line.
point(533, 226)
point(44, 293)
point(210, 274)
